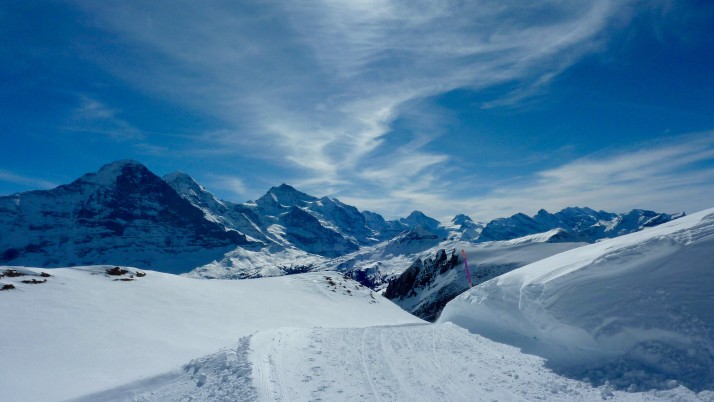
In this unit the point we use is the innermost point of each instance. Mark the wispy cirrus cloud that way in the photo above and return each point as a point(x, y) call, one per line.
point(670, 175)
point(32, 182)
point(657, 176)
point(95, 117)
point(230, 184)
point(317, 86)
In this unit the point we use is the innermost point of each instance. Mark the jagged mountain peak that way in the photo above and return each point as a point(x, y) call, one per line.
point(287, 195)
point(121, 164)
point(416, 214)
point(108, 174)
point(179, 176)
point(122, 214)
point(418, 218)
point(460, 219)
point(582, 211)
point(584, 223)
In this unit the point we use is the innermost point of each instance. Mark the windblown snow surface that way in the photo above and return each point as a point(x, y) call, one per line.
point(634, 312)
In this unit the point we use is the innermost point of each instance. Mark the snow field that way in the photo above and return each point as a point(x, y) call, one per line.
point(83, 332)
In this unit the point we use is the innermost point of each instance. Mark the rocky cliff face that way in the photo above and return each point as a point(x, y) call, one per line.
point(123, 214)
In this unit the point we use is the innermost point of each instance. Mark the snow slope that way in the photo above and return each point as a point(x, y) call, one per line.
point(637, 311)
point(386, 363)
point(84, 331)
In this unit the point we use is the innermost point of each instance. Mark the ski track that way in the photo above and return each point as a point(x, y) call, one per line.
point(365, 367)
point(418, 362)
point(412, 362)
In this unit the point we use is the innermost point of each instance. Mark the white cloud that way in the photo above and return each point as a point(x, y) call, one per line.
point(318, 85)
point(93, 116)
point(227, 184)
point(668, 176)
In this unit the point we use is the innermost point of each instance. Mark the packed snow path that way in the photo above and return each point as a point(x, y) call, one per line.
point(440, 362)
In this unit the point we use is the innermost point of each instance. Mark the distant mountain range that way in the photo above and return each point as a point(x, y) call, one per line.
point(126, 215)
point(584, 224)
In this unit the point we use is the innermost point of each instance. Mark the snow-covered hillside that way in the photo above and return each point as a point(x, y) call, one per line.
point(81, 330)
point(637, 310)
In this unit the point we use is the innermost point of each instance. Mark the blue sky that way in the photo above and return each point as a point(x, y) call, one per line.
point(487, 107)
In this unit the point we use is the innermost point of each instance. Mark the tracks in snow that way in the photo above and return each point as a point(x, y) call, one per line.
point(400, 363)
point(390, 363)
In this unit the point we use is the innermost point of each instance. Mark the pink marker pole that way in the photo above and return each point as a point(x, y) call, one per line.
point(466, 266)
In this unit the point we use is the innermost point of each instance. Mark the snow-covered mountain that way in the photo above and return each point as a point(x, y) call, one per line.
point(433, 280)
point(462, 227)
point(290, 218)
point(584, 224)
point(122, 214)
point(636, 311)
point(299, 232)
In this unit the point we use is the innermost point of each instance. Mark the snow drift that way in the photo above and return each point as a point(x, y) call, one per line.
point(637, 311)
